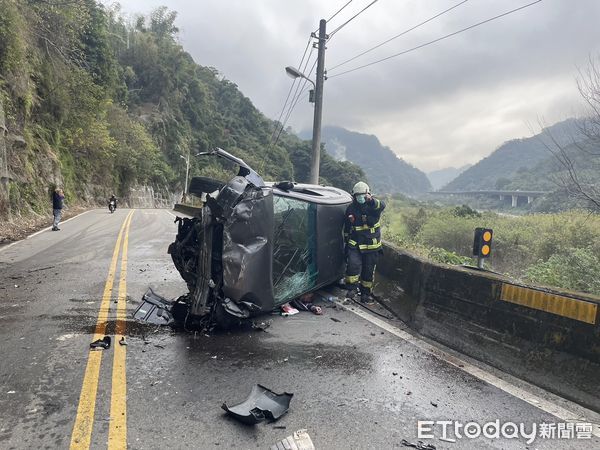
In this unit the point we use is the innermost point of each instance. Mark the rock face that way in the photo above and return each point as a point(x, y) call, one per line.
point(148, 197)
point(3, 163)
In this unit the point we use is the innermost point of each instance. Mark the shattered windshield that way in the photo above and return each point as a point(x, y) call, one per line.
point(294, 248)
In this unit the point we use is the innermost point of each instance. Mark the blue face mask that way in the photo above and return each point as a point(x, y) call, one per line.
point(361, 198)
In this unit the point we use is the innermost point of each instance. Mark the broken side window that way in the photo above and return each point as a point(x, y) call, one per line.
point(294, 248)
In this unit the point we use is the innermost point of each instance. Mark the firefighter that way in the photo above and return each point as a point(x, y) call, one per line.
point(362, 234)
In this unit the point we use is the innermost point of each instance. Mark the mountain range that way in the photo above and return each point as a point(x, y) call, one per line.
point(385, 171)
point(441, 177)
point(514, 157)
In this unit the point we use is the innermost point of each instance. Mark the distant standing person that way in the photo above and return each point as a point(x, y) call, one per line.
point(362, 233)
point(58, 201)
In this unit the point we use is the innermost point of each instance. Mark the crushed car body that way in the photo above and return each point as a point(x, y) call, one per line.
point(252, 247)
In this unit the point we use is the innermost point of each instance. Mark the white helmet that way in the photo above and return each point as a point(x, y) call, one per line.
point(360, 188)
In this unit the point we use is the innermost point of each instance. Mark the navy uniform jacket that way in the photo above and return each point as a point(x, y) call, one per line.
point(362, 229)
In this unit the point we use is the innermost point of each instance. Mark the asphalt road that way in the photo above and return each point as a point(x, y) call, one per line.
point(355, 384)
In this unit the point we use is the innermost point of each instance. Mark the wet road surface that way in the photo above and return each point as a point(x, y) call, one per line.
point(355, 384)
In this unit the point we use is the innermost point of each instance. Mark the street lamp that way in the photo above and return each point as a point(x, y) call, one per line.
point(295, 73)
point(187, 173)
point(318, 100)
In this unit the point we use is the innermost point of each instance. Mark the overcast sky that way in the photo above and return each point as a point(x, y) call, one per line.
point(446, 104)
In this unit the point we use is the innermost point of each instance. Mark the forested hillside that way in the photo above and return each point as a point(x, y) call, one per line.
point(513, 157)
point(386, 172)
point(98, 105)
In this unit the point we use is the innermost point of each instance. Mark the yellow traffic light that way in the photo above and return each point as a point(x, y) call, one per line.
point(482, 244)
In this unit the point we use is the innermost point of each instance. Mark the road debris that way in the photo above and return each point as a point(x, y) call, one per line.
point(154, 309)
point(261, 326)
point(335, 320)
point(122, 341)
point(305, 303)
point(103, 343)
point(262, 404)
point(420, 445)
point(434, 404)
point(300, 440)
point(288, 310)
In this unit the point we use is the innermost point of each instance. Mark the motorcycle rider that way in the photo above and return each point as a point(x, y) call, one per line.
point(112, 199)
point(362, 233)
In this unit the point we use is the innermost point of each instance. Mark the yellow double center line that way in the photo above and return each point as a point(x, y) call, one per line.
point(84, 422)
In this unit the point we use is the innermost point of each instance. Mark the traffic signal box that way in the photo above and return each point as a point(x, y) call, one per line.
point(482, 244)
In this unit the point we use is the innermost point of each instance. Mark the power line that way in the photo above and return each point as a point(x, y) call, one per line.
point(436, 40)
point(352, 18)
point(294, 102)
point(296, 94)
point(291, 88)
point(289, 114)
point(339, 11)
point(398, 35)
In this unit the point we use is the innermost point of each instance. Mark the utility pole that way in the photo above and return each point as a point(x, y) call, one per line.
point(187, 174)
point(316, 139)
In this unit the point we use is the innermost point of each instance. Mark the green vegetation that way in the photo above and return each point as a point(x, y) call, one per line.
point(558, 250)
point(97, 105)
point(386, 172)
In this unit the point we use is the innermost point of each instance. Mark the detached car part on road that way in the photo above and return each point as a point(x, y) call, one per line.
point(252, 247)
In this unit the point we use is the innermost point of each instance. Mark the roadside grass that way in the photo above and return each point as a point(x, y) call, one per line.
point(560, 250)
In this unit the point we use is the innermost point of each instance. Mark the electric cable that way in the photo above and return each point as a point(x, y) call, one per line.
point(352, 18)
point(339, 11)
point(290, 91)
point(436, 40)
point(398, 35)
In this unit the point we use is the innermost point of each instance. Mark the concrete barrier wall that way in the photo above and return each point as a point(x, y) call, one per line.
point(419, 291)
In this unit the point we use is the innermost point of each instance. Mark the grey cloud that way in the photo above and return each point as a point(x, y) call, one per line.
point(476, 89)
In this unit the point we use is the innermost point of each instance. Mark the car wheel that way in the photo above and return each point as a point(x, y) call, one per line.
point(201, 185)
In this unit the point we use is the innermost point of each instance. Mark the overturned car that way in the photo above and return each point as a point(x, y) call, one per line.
point(252, 247)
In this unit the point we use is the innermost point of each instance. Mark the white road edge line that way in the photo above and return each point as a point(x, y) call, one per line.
point(42, 230)
point(515, 391)
point(169, 212)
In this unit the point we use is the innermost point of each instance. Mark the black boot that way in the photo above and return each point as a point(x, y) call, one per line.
point(366, 298)
point(352, 292)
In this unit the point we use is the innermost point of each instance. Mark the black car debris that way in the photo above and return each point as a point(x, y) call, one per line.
point(252, 247)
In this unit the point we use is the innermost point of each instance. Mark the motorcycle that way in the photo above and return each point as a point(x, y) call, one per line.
point(112, 205)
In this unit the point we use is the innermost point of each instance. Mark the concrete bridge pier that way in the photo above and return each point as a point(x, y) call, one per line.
point(529, 199)
point(514, 201)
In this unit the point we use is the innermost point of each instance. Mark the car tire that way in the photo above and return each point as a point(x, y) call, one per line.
point(201, 185)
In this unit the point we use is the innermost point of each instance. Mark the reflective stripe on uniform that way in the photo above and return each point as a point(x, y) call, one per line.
point(352, 243)
point(370, 247)
point(367, 284)
point(352, 279)
point(367, 227)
